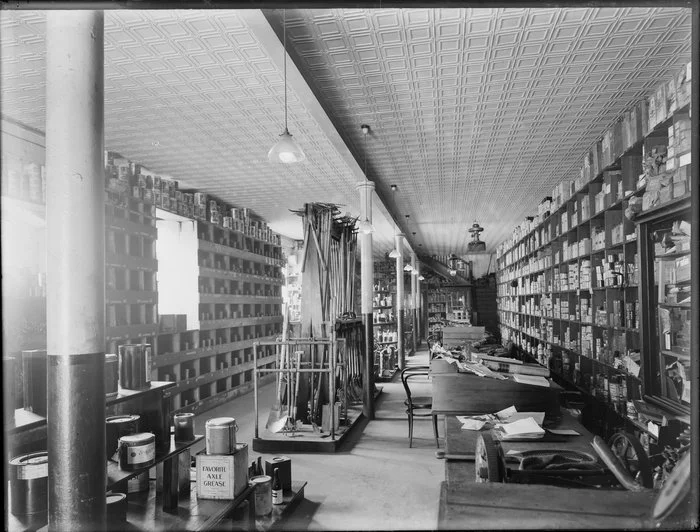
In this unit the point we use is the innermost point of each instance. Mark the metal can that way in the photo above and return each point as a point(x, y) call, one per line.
point(115, 428)
point(116, 507)
point(263, 494)
point(111, 375)
point(184, 426)
point(138, 483)
point(29, 483)
point(220, 435)
point(137, 451)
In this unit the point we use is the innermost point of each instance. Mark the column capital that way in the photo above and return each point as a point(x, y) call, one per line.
point(364, 185)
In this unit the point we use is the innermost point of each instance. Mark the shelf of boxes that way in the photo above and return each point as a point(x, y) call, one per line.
point(240, 303)
point(568, 292)
point(131, 266)
point(384, 319)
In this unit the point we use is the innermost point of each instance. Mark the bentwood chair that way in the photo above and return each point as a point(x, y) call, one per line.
point(416, 406)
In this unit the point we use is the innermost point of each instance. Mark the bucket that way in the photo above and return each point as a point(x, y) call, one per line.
point(220, 435)
point(137, 451)
point(115, 428)
point(184, 426)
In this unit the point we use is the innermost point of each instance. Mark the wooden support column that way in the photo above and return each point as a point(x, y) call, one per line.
point(75, 296)
point(419, 306)
point(414, 299)
point(366, 189)
point(398, 243)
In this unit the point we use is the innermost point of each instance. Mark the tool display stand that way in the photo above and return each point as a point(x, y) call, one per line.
point(308, 372)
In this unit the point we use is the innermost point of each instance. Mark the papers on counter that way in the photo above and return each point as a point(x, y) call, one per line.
point(522, 429)
point(531, 379)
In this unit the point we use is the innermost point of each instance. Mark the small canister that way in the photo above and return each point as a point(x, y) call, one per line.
point(111, 375)
point(184, 426)
point(283, 464)
point(220, 435)
point(116, 508)
point(263, 494)
point(137, 451)
point(115, 428)
point(138, 484)
point(29, 483)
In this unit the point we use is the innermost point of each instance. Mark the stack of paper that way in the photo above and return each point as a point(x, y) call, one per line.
point(531, 379)
point(523, 429)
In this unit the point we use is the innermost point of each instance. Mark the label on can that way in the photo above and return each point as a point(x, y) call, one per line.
point(140, 454)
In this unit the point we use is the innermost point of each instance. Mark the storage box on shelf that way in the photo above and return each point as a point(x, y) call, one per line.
point(581, 316)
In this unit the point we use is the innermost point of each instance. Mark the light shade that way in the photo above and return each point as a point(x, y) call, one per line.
point(421, 278)
point(394, 254)
point(286, 150)
point(408, 268)
point(453, 273)
point(415, 272)
point(366, 227)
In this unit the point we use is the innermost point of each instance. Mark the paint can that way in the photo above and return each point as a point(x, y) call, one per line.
point(263, 494)
point(283, 464)
point(29, 483)
point(184, 426)
point(138, 483)
point(220, 435)
point(111, 375)
point(116, 508)
point(135, 366)
point(115, 428)
point(137, 451)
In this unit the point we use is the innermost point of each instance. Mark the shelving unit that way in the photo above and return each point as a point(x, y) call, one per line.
point(131, 267)
point(570, 293)
point(386, 338)
point(239, 302)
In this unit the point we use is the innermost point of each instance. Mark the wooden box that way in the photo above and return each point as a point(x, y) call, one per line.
point(222, 476)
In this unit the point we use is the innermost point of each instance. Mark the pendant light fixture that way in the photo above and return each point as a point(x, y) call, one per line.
point(285, 150)
point(365, 226)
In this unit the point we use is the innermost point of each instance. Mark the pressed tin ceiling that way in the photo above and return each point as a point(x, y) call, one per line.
point(475, 113)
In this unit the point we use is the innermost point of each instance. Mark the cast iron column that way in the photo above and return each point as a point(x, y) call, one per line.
point(75, 296)
point(414, 299)
point(398, 243)
point(366, 188)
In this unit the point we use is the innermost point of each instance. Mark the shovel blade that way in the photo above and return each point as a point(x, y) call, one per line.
point(278, 424)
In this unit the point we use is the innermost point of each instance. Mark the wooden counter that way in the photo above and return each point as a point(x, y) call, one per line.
point(472, 506)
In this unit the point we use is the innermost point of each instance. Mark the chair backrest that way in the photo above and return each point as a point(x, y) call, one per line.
point(411, 372)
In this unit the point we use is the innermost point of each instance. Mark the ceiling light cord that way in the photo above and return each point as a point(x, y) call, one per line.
point(284, 44)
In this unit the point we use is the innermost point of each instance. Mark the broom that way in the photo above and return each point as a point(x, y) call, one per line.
point(276, 421)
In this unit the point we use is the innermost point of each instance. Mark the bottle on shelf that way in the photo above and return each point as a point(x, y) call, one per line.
point(277, 492)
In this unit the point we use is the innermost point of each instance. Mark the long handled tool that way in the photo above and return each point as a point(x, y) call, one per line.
point(276, 421)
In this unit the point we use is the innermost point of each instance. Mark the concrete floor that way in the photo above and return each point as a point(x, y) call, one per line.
point(374, 481)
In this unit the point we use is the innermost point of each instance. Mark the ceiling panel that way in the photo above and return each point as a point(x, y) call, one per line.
point(474, 109)
point(470, 110)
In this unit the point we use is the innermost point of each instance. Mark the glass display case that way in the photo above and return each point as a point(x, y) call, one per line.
point(664, 291)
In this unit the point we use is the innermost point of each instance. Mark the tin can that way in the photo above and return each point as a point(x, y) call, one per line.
point(220, 435)
point(116, 507)
point(29, 483)
point(138, 483)
point(111, 375)
point(137, 451)
point(263, 494)
point(184, 426)
point(115, 428)
point(135, 366)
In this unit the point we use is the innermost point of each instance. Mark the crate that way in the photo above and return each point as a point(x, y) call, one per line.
point(222, 476)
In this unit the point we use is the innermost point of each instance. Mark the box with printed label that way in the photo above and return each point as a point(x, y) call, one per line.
point(222, 476)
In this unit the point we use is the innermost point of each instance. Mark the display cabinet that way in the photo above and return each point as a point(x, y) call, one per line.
point(664, 240)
